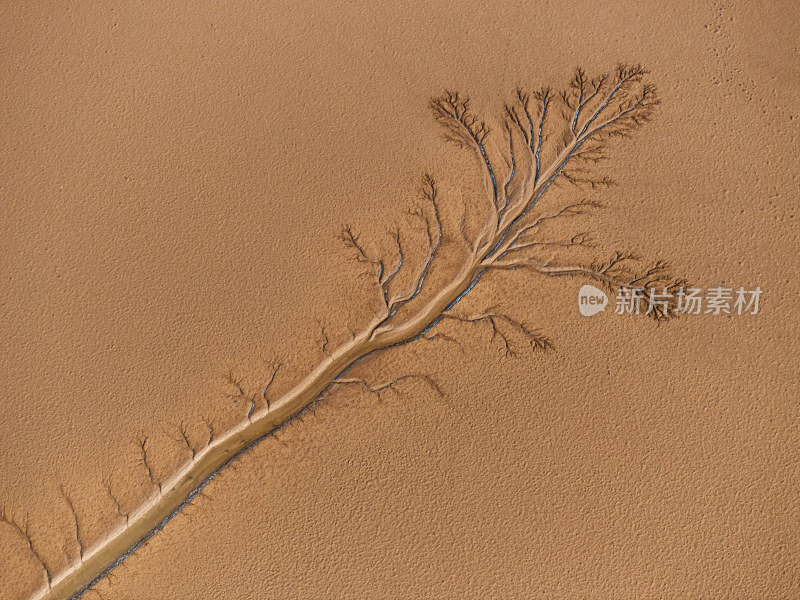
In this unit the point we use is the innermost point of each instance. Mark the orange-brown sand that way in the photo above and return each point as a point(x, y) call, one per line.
point(172, 185)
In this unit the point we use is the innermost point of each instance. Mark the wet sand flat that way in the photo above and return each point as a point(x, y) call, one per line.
point(173, 186)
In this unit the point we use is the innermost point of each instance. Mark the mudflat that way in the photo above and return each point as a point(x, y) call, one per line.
point(216, 216)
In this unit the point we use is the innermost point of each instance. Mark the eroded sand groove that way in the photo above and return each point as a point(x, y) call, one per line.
point(578, 122)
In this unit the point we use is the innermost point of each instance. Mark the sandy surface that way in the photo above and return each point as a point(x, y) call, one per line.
point(172, 185)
